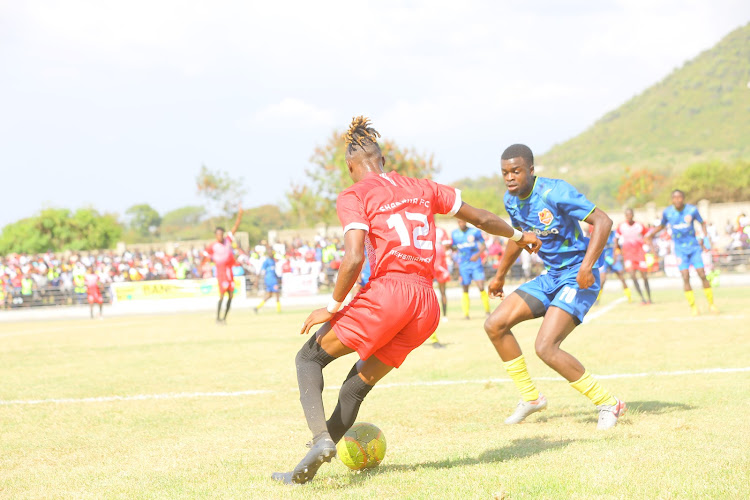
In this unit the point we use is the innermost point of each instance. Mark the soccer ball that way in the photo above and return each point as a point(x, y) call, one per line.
point(362, 447)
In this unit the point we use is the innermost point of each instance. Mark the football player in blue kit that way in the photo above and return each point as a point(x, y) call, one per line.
point(681, 218)
point(469, 244)
point(552, 209)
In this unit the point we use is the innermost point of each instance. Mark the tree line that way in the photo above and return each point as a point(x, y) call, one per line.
point(314, 201)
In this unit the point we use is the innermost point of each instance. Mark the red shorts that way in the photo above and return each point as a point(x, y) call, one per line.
point(441, 274)
point(634, 259)
point(225, 278)
point(94, 296)
point(389, 318)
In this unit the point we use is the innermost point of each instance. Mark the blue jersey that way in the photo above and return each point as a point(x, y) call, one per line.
point(269, 267)
point(467, 243)
point(552, 211)
point(683, 232)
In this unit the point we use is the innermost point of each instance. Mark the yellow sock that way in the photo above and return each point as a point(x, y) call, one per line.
point(516, 368)
point(592, 389)
point(709, 295)
point(434, 339)
point(465, 303)
point(260, 306)
point(690, 296)
point(485, 300)
point(628, 294)
point(278, 306)
point(599, 296)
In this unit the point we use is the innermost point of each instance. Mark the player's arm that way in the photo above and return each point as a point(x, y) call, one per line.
point(351, 266)
point(239, 219)
point(491, 223)
point(648, 238)
point(512, 252)
point(602, 227)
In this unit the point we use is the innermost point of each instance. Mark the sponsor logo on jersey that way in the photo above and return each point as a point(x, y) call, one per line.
point(546, 232)
point(545, 216)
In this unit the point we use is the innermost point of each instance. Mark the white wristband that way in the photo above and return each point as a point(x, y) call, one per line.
point(333, 306)
point(517, 235)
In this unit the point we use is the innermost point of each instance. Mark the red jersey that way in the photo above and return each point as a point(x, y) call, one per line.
point(632, 236)
point(398, 214)
point(221, 253)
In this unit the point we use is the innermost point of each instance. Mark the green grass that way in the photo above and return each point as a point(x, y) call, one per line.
point(685, 436)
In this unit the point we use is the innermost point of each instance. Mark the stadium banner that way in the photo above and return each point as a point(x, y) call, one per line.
point(129, 291)
point(299, 285)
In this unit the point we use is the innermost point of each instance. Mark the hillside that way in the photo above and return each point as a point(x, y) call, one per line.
point(701, 111)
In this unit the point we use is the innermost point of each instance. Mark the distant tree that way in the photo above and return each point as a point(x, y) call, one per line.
point(328, 176)
point(485, 192)
point(221, 190)
point(143, 219)
point(716, 181)
point(257, 221)
point(56, 229)
point(184, 216)
point(638, 186)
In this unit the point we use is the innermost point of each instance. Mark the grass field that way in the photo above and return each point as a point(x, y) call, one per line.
point(686, 434)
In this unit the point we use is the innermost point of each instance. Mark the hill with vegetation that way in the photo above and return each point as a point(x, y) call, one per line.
point(699, 114)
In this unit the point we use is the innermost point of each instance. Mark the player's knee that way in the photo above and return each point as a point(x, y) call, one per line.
point(544, 350)
point(496, 326)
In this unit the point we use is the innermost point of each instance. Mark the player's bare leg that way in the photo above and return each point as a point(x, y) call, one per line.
point(262, 302)
point(634, 277)
point(485, 297)
point(707, 290)
point(513, 310)
point(230, 295)
point(443, 299)
point(646, 285)
point(689, 295)
point(218, 309)
point(556, 327)
point(91, 309)
point(101, 310)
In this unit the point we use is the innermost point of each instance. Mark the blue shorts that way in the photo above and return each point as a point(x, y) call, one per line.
point(473, 271)
point(614, 267)
point(559, 288)
point(272, 286)
point(691, 257)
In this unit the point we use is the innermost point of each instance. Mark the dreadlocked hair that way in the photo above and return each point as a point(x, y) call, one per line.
point(361, 135)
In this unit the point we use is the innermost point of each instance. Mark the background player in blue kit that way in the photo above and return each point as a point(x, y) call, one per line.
point(681, 217)
point(469, 243)
point(612, 264)
point(271, 281)
point(551, 208)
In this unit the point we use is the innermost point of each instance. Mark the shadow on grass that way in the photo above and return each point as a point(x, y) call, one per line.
point(518, 448)
point(657, 407)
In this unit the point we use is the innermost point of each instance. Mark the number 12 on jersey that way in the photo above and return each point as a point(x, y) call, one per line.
point(396, 222)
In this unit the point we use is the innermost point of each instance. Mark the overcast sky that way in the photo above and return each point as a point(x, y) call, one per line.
point(109, 104)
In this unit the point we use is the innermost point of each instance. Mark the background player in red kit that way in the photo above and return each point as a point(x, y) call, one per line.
point(631, 234)
point(93, 292)
point(391, 217)
point(222, 254)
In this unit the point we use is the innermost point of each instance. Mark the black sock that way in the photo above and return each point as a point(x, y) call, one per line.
point(229, 303)
point(353, 392)
point(648, 288)
point(218, 311)
point(445, 308)
point(310, 361)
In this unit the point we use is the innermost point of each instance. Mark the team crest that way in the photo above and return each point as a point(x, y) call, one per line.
point(470, 239)
point(545, 217)
point(688, 219)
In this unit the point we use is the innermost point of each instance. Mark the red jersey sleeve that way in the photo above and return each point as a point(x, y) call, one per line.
point(447, 200)
point(351, 212)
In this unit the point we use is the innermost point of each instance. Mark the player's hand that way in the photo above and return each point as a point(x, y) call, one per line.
point(316, 317)
point(495, 287)
point(530, 242)
point(585, 278)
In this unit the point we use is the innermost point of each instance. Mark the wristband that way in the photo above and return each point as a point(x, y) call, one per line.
point(333, 306)
point(517, 235)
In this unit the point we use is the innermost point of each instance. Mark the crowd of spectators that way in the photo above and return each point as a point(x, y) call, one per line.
point(48, 279)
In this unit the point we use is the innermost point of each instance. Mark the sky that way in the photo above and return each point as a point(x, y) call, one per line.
point(110, 104)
